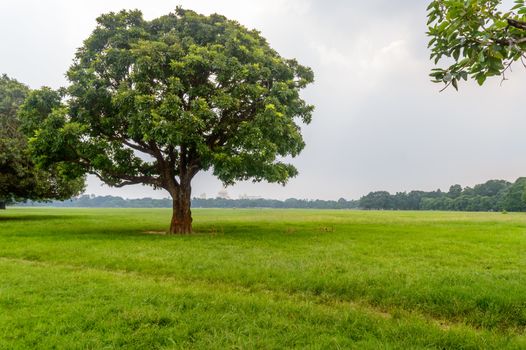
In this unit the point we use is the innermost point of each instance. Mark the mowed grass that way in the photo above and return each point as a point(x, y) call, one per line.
point(262, 279)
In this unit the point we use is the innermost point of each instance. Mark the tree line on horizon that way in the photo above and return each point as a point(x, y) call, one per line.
point(88, 201)
point(493, 195)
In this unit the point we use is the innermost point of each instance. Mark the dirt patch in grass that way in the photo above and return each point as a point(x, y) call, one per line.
point(154, 232)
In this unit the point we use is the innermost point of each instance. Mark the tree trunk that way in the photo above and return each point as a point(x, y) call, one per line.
point(2, 205)
point(181, 215)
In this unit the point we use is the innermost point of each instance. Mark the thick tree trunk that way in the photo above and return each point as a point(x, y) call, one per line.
point(2, 205)
point(182, 215)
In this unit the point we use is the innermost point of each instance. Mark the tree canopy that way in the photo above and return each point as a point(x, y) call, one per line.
point(20, 179)
point(476, 38)
point(155, 102)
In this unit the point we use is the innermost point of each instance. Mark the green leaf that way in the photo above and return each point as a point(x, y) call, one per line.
point(481, 78)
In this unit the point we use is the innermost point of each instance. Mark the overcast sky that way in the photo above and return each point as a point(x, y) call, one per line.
point(379, 123)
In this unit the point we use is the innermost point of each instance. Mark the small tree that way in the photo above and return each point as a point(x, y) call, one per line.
point(155, 102)
point(20, 179)
point(476, 38)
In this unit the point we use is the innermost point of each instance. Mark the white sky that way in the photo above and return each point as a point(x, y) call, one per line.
point(379, 123)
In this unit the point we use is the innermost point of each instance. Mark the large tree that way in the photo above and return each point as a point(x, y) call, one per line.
point(476, 38)
point(20, 178)
point(155, 102)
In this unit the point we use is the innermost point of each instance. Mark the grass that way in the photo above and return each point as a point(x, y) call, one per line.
point(93, 279)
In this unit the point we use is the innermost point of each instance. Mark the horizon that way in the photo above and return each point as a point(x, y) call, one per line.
point(256, 197)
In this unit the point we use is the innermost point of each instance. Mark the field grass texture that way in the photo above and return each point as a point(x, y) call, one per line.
point(262, 279)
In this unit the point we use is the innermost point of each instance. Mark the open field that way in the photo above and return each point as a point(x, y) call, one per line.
point(92, 279)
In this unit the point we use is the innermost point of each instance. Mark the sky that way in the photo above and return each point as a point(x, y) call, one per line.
point(379, 123)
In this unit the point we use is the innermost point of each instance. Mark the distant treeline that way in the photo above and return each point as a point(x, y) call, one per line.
point(274, 203)
point(493, 195)
point(87, 201)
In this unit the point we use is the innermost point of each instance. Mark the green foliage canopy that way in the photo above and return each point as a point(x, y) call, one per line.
point(20, 179)
point(476, 39)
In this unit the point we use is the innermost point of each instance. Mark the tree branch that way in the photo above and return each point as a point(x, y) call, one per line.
point(165, 167)
point(136, 147)
point(516, 24)
point(127, 179)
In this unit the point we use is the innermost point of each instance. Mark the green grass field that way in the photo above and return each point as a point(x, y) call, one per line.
point(262, 279)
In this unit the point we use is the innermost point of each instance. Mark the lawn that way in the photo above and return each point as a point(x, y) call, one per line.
point(262, 279)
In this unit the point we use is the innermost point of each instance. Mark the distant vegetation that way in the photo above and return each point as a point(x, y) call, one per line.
point(87, 201)
point(493, 195)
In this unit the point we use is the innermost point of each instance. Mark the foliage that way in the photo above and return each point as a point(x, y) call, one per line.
point(455, 191)
point(155, 102)
point(493, 195)
point(515, 199)
point(476, 38)
point(20, 179)
point(265, 279)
